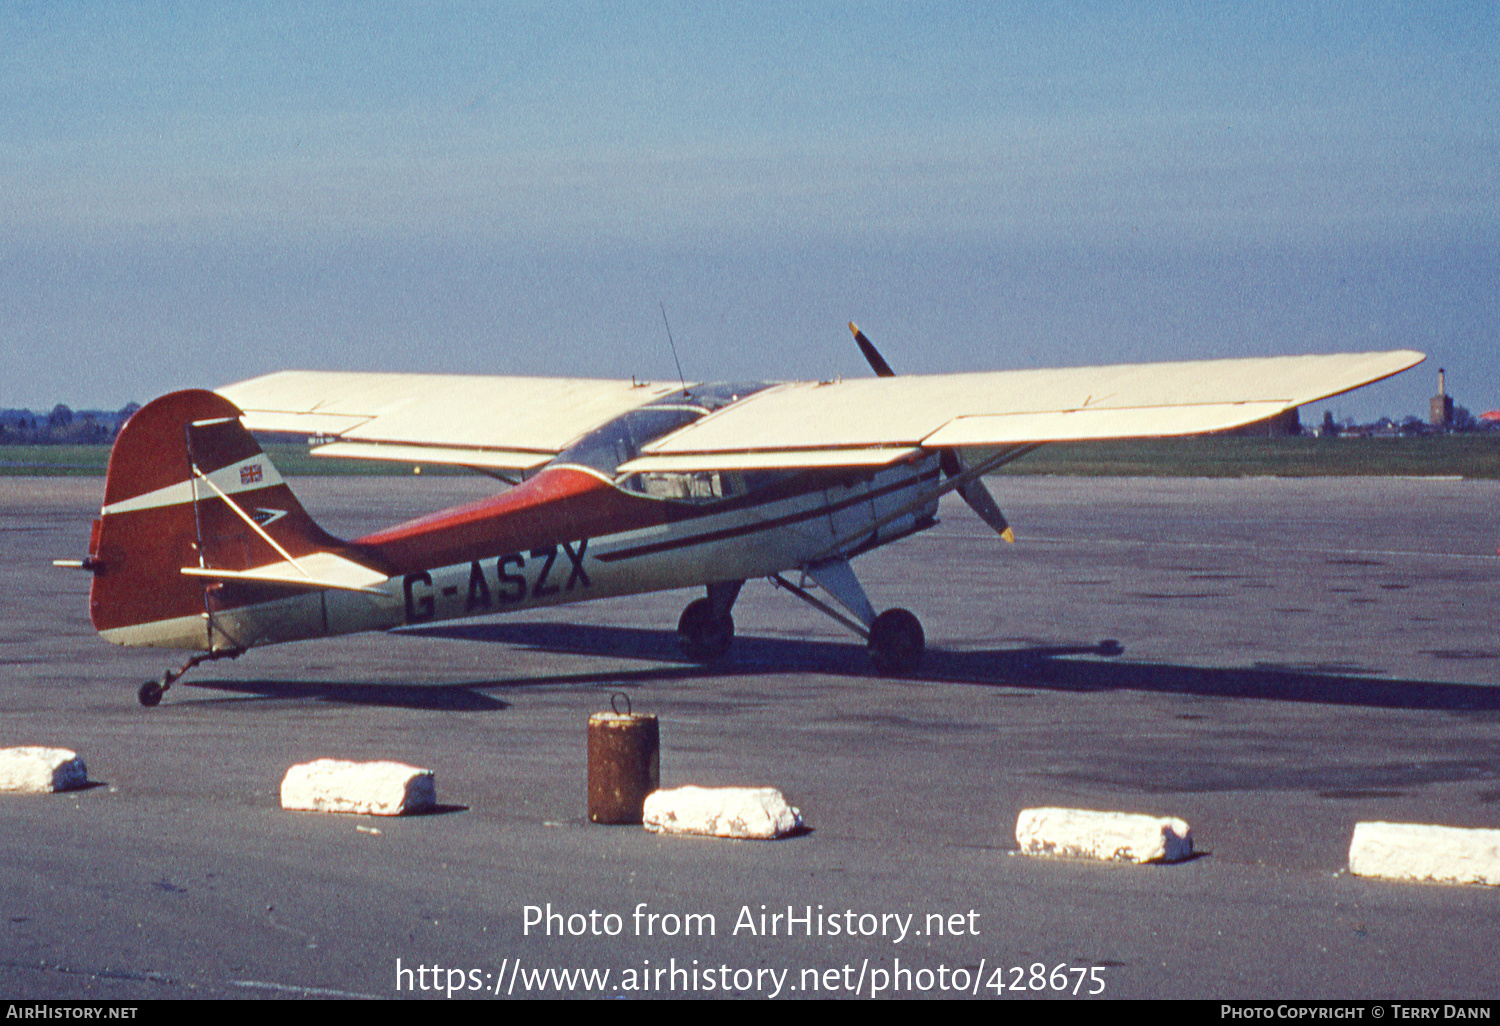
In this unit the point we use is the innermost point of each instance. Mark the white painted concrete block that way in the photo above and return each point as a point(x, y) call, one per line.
point(1112, 836)
point(368, 788)
point(1417, 851)
point(759, 813)
point(36, 770)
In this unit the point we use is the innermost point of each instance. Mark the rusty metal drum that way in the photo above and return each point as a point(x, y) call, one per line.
point(624, 764)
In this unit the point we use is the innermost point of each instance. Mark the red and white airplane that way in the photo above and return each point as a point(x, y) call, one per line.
point(617, 487)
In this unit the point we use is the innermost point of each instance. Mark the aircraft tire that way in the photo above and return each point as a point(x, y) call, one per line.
point(149, 694)
point(896, 642)
point(704, 638)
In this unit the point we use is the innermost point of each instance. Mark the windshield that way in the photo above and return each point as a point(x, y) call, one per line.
point(620, 441)
point(604, 449)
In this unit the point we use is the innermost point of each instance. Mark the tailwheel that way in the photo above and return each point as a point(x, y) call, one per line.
point(703, 636)
point(150, 692)
point(896, 641)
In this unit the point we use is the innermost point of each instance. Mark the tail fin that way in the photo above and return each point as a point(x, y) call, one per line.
point(186, 482)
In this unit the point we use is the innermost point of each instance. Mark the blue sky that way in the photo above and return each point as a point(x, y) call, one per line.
point(195, 193)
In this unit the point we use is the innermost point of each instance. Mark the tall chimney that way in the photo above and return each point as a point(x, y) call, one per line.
point(1441, 408)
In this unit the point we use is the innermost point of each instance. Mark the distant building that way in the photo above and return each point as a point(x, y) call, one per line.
point(1441, 415)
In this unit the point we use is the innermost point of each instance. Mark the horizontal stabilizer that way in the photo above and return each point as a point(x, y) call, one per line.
point(317, 570)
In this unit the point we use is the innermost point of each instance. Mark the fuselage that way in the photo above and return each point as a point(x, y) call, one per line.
point(574, 530)
point(567, 535)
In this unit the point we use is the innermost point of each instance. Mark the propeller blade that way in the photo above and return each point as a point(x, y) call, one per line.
point(978, 496)
point(982, 502)
point(877, 362)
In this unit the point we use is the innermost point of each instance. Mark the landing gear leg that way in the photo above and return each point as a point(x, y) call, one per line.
point(150, 692)
point(706, 629)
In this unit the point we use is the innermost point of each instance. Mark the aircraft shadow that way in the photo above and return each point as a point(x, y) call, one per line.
point(458, 696)
point(1038, 667)
point(439, 697)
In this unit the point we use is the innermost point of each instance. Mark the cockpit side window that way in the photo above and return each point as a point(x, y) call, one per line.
point(697, 486)
point(701, 485)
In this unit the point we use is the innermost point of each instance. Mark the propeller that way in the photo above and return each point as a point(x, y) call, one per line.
point(877, 362)
point(952, 461)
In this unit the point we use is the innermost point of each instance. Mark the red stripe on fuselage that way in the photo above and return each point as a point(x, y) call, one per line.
point(559, 504)
point(564, 504)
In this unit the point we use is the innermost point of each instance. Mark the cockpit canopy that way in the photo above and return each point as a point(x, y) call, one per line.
point(604, 449)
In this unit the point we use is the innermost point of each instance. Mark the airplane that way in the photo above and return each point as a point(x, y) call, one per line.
point(614, 488)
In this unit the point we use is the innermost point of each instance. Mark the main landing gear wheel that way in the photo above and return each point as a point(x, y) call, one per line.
point(150, 694)
point(704, 637)
point(896, 641)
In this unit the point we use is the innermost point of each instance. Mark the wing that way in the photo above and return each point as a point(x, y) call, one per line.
point(871, 421)
point(519, 423)
point(503, 423)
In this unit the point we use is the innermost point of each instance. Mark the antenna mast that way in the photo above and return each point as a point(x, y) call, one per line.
point(673, 345)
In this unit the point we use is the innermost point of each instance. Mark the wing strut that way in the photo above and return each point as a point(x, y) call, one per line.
point(821, 606)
